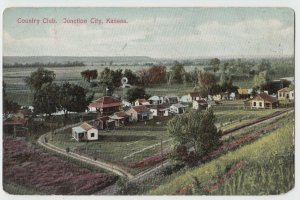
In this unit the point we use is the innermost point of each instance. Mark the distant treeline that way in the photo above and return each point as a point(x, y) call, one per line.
point(38, 64)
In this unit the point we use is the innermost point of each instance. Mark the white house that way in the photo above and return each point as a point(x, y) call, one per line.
point(141, 102)
point(84, 132)
point(159, 110)
point(156, 100)
point(178, 108)
point(171, 99)
point(286, 94)
point(200, 104)
point(139, 113)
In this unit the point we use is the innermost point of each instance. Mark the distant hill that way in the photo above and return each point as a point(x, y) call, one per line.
point(86, 60)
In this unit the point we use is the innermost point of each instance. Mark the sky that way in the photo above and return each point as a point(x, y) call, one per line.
point(153, 32)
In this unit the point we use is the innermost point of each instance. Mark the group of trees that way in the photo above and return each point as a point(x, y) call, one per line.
point(50, 97)
point(89, 75)
point(209, 84)
point(195, 135)
point(9, 106)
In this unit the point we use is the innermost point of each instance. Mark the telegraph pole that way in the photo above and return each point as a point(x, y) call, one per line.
point(161, 153)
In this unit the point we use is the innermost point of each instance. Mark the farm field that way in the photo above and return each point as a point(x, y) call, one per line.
point(266, 166)
point(37, 171)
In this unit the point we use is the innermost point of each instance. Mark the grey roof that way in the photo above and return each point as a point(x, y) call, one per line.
point(78, 129)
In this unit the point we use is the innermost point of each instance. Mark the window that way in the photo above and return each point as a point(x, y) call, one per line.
point(92, 134)
point(254, 103)
point(260, 104)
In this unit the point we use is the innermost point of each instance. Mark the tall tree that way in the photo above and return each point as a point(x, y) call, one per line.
point(135, 93)
point(178, 72)
point(157, 74)
point(46, 99)
point(196, 128)
point(89, 75)
point(215, 62)
point(39, 77)
point(132, 77)
point(73, 98)
point(207, 79)
point(8, 105)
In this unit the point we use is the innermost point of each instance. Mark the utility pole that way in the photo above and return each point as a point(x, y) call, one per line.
point(161, 153)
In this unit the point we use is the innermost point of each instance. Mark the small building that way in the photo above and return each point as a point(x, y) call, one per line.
point(84, 132)
point(286, 94)
point(171, 99)
point(194, 96)
point(185, 99)
point(141, 102)
point(244, 93)
point(262, 100)
point(120, 118)
point(159, 110)
point(156, 100)
point(105, 105)
point(200, 104)
point(139, 113)
point(13, 123)
point(103, 123)
point(178, 108)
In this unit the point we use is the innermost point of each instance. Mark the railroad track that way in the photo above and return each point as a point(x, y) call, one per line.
point(256, 121)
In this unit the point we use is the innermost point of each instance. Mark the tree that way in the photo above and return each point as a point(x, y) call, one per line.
point(46, 99)
point(215, 62)
point(73, 98)
point(196, 128)
point(8, 105)
point(110, 79)
point(261, 79)
point(207, 79)
point(178, 72)
point(157, 74)
point(89, 75)
point(132, 77)
point(136, 93)
point(42, 76)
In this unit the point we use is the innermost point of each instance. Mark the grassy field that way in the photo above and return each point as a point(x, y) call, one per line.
point(268, 168)
point(119, 146)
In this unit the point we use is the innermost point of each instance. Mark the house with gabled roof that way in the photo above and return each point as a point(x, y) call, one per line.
point(286, 94)
point(262, 100)
point(200, 104)
point(159, 110)
point(84, 132)
point(141, 102)
point(105, 105)
point(178, 108)
point(120, 118)
point(139, 113)
point(156, 100)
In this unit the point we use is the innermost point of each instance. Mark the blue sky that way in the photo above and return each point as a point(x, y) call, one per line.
point(154, 32)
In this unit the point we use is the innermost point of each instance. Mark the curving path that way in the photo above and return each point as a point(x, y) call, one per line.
point(101, 164)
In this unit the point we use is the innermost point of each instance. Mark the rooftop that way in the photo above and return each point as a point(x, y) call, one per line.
point(105, 102)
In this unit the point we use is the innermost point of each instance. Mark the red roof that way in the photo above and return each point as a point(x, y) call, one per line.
point(195, 94)
point(265, 97)
point(201, 101)
point(105, 102)
point(121, 114)
point(140, 109)
point(15, 121)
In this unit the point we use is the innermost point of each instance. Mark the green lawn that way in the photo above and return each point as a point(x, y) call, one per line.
point(269, 168)
point(116, 145)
